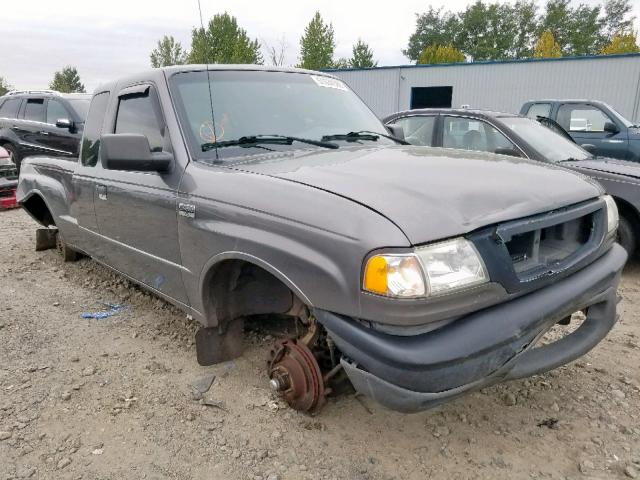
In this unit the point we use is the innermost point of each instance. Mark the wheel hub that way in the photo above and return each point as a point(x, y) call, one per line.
point(295, 374)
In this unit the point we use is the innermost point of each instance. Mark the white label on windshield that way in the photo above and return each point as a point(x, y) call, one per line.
point(328, 82)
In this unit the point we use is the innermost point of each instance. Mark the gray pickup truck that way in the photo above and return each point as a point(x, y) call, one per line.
point(420, 273)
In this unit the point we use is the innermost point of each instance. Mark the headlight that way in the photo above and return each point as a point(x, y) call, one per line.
point(394, 276)
point(432, 270)
point(612, 214)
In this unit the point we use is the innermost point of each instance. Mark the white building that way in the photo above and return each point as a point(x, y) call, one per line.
point(500, 86)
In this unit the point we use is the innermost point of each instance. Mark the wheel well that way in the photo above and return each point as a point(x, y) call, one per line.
point(238, 288)
point(36, 207)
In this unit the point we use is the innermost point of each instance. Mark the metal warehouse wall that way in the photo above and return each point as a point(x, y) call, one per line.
point(505, 86)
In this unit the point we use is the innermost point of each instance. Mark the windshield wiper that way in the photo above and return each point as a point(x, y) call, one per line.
point(362, 135)
point(570, 159)
point(254, 140)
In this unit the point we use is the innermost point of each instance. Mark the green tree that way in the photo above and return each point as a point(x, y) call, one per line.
point(317, 45)
point(617, 19)
point(556, 19)
point(578, 31)
point(4, 86)
point(623, 43)
point(441, 54)
point(525, 24)
point(434, 27)
point(223, 41)
point(341, 63)
point(547, 47)
point(168, 52)
point(585, 31)
point(67, 80)
point(486, 31)
point(362, 56)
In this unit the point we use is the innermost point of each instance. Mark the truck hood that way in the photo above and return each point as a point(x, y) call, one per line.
point(430, 193)
point(607, 165)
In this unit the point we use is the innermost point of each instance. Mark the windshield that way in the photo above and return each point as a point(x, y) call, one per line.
point(549, 144)
point(80, 106)
point(253, 103)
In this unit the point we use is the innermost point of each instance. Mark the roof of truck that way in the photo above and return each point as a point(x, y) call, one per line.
point(156, 73)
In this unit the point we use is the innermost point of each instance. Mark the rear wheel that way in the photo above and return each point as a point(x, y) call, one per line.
point(627, 236)
point(66, 252)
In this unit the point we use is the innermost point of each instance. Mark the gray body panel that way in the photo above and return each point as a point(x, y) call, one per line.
point(309, 216)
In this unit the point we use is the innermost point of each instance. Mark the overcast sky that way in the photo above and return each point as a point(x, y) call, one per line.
point(107, 39)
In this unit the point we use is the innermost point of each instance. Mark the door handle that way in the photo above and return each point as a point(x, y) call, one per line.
point(101, 190)
point(43, 133)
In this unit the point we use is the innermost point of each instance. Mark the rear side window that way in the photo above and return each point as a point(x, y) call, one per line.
point(56, 111)
point(476, 135)
point(539, 110)
point(138, 113)
point(9, 108)
point(34, 110)
point(93, 129)
point(418, 130)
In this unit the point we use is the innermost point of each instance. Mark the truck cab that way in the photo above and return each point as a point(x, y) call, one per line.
point(593, 124)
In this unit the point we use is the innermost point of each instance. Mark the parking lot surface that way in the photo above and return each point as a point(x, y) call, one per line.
point(123, 397)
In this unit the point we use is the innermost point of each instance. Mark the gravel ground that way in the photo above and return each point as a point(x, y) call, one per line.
point(114, 398)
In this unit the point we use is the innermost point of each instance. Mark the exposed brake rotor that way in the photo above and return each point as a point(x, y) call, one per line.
point(295, 374)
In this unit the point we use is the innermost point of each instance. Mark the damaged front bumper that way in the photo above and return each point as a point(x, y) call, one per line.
point(414, 373)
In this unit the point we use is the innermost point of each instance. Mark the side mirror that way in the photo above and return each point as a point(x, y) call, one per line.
point(512, 152)
point(64, 123)
point(610, 127)
point(131, 152)
point(396, 131)
point(589, 148)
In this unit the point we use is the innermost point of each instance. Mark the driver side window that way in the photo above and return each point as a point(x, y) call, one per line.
point(137, 114)
point(582, 118)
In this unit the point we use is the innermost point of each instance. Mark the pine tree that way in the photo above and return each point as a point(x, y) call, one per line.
point(317, 45)
point(362, 56)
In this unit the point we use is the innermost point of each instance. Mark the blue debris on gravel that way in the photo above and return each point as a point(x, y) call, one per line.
point(114, 308)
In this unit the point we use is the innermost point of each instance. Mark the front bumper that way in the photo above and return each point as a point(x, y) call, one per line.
point(415, 373)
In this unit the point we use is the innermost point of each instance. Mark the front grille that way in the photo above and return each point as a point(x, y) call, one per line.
point(537, 250)
point(524, 254)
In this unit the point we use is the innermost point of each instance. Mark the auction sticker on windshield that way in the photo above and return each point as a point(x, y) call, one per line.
point(329, 82)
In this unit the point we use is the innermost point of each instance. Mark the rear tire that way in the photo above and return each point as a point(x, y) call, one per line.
point(66, 252)
point(627, 236)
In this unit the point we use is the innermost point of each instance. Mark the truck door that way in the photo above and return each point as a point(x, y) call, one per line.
point(136, 211)
point(84, 177)
point(587, 124)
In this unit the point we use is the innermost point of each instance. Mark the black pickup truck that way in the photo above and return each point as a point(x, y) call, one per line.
point(421, 273)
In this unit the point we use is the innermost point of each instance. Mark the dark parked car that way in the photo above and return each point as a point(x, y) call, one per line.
point(514, 135)
point(42, 122)
point(8, 180)
point(238, 191)
point(592, 124)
